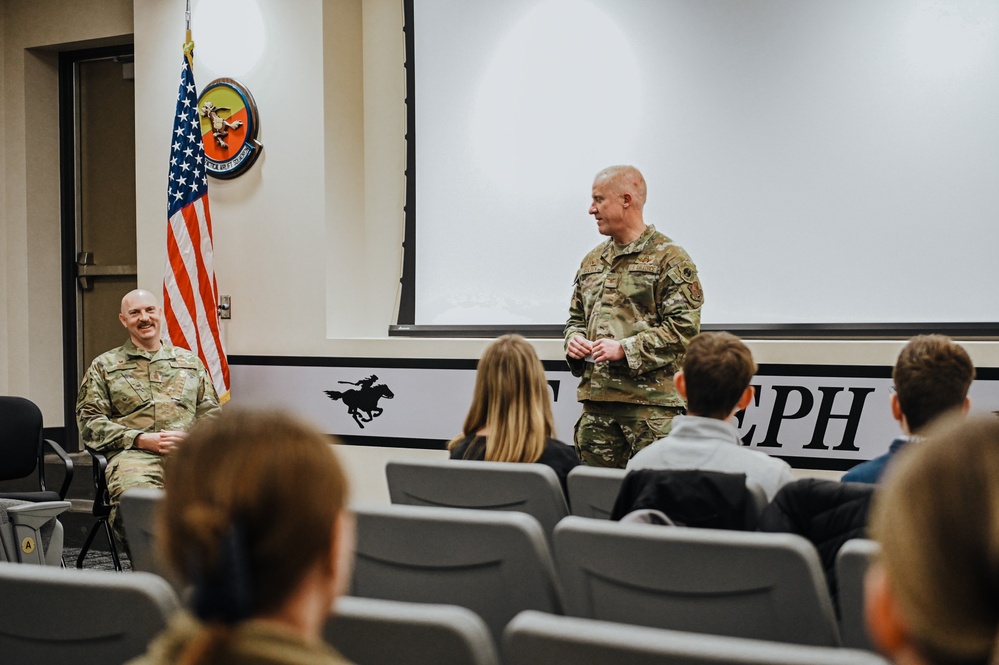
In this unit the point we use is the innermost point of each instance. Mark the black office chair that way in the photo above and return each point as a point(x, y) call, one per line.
point(22, 454)
point(22, 450)
point(101, 510)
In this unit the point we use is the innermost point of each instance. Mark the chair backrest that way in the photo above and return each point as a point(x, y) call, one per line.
point(852, 562)
point(22, 450)
point(495, 563)
point(373, 632)
point(534, 638)
point(20, 437)
point(139, 506)
point(53, 615)
point(529, 488)
point(593, 490)
point(735, 583)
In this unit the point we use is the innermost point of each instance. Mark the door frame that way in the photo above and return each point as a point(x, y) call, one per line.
point(68, 185)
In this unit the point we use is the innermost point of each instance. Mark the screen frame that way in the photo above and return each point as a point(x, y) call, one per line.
point(406, 325)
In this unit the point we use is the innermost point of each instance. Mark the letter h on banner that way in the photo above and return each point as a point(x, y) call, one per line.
point(825, 413)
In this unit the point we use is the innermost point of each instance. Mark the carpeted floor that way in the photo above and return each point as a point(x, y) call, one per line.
point(96, 559)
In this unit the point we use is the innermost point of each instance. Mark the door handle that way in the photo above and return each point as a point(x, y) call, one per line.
point(86, 271)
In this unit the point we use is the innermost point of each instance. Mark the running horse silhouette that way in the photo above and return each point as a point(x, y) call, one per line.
point(362, 402)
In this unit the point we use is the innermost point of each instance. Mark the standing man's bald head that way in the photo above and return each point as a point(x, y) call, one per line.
point(140, 314)
point(625, 180)
point(618, 199)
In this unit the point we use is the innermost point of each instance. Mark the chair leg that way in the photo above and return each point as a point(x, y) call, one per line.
point(86, 545)
point(113, 545)
point(90, 539)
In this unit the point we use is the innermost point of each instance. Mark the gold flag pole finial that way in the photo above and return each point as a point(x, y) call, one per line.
point(188, 41)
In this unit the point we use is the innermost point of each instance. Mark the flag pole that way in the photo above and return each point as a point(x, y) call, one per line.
point(188, 41)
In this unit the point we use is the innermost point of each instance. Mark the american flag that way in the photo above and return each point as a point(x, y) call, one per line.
point(190, 293)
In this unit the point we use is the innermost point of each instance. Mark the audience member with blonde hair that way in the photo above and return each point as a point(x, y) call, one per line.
point(933, 595)
point(255, 519)
point(511, 415)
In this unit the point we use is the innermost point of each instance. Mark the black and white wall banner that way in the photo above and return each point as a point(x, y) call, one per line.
point(814, 416)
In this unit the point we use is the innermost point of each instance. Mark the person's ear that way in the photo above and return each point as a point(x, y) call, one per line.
point(626, 200)
point(680, 383)
point(966, 406)
point(896, 407)
point(884, 623)
point(342, 552)
point(121, 317)
point(746, 399)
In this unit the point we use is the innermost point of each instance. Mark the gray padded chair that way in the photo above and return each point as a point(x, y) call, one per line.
point(529, 488)
point(85, 617)
point(373, 632)
point(30, 532)
point(534, 638)
point(495, 563)
point(765, 586)
point(852, 562)
point(138, 509)
point(593, 490)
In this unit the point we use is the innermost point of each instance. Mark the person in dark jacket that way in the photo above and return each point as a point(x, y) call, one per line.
point(510, 419)
point(932, 376)
point(826, 512)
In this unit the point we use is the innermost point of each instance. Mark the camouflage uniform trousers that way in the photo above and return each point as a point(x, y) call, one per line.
point(127, 470)
point(608, 434)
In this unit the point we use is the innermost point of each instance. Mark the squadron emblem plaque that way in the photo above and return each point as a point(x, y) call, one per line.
point(229, 125)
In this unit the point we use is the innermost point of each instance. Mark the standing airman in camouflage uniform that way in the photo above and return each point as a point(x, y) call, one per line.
point(138, 401)
point(635, 307)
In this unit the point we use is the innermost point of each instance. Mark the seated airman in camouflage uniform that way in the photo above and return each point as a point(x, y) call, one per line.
point(635, 307)
point(138, 401)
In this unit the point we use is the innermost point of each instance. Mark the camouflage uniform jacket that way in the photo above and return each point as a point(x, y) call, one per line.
point(646, 296)
point(128, 391)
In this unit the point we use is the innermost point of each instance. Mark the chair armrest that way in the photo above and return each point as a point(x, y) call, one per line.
point(102, 500)
point(36, 514)
point(67, 462)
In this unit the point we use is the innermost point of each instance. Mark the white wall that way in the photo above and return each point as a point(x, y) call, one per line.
point(308, 242)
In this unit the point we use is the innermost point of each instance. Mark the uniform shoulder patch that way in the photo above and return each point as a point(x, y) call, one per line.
point(695, 293)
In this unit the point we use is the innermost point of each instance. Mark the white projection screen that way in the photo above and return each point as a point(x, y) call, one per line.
point(828, 164)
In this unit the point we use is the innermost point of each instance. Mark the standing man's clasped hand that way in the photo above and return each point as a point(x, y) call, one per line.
point(603, 350)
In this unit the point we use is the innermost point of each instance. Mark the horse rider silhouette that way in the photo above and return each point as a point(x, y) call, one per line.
point(362, 403)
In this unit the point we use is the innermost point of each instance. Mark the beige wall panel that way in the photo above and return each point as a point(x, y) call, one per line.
point(31, 342)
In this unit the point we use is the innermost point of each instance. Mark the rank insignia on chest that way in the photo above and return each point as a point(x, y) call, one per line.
point(155, 377)
point(610, 281)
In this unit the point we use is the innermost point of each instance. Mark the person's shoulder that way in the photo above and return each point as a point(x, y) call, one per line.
point(182, 355)
point(470, 448)
point(866, 472)
point(110, 359)
point(668, 252)
point(647, 457)
point(594, 254)
point(554, 447)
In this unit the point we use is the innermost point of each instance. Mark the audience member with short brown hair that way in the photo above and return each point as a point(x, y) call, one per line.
point(717, 370)
point(932, 377)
